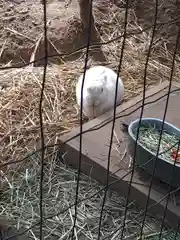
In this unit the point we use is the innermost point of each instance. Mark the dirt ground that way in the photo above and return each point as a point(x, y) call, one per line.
point(21, 26)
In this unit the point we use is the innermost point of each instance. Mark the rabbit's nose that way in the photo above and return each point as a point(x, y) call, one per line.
point(96, 102)
point(90, 89)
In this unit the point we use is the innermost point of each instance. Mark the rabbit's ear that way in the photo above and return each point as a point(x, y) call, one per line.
point(103, 70)
point(89, 64)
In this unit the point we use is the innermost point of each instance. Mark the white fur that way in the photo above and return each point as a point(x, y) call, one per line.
point(96, 79)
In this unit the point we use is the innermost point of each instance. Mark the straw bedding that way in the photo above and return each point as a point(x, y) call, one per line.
point(19, 100)
point(20, 134)
point(20, 203)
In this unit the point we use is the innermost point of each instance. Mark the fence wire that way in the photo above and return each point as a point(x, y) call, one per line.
point(108, 184)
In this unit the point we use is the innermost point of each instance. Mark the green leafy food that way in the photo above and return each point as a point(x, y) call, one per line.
point(149, 137)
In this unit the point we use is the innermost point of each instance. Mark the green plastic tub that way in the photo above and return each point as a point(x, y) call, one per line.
point(164, 168)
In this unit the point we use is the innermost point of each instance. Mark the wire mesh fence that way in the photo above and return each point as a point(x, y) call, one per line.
point(118, 231)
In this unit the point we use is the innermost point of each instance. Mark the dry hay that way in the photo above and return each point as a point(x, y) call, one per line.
point(20, 132)
point(19, 102)
point(19, 203)
point(19, 129)
point(19, 108)
point(135, 53)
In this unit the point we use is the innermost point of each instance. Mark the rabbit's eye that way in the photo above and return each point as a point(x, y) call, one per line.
point(101, 89)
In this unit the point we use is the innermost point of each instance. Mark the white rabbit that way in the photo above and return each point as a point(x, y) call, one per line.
point(99, 91)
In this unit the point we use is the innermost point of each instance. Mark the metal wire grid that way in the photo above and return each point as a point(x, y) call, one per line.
point(43, 146)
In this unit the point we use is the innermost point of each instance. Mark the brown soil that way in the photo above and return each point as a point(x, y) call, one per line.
point(168, 15)
point(21, 26)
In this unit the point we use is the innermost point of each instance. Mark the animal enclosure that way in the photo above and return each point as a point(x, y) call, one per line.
point(63, 177)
